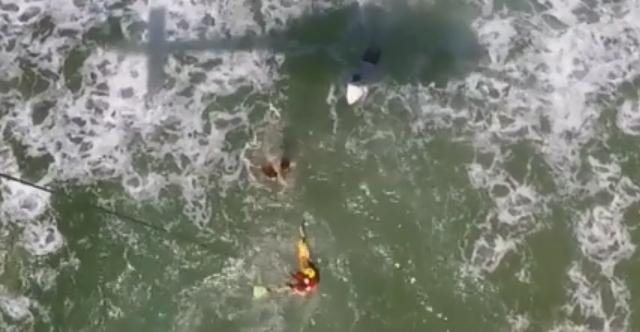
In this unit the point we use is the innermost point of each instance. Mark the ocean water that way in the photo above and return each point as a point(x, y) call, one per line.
point(490, 181)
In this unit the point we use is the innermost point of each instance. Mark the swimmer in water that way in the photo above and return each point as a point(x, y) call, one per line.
point(277, 170)
point(271, 154)
point(358, 85)
point(303, 281)
point(306, 278)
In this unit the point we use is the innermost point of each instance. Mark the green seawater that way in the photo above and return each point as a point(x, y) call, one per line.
point(391, 213)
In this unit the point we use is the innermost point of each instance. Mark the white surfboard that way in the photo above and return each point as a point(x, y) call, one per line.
point(260, 292)
point(356, 93)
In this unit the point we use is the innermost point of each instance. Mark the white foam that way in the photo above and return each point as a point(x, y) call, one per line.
point(111, 123)
point(603, 238)
point(543, 83)
point(512, 217)
point(586, 297)
point(16, 307)
point(519, 322)
point(601, 233)
point(547, 84)
point(628, 117)
point(46, 278)
point(22, 203)
point(48, 53)
point(569, 66)
point(100, 142)
point(98, 132)
point(489, 250)
point(277, 13)
point(499, 35)
point(42, 239)
point(144, 188)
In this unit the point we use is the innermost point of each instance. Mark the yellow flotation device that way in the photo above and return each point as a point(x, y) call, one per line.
point(302, 254)
point(309, 272)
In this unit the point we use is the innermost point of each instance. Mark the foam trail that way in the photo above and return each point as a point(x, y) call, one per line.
point(15, 307)
point(42, 239)
point(516, 208)
point(519, 323)
point(21, 204)
point(628, 118)
point(587, 297)
point(602, 235)
point(605, 240)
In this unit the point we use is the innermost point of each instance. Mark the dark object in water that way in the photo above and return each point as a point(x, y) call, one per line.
point(269, 170)
point(284, 165)
point(272, 169)
point(368, 62)
point(372, 55)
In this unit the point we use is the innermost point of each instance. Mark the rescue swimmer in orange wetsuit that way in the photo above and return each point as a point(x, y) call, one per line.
point(307, 277)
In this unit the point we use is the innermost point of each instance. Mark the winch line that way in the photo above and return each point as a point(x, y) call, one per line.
point(115, 213)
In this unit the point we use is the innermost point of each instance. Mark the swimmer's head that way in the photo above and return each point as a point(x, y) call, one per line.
point(269, 170)
point(285, 164)
point(356, 78)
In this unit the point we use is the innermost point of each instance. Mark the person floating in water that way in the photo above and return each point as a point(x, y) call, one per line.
point(357, 86)
point(303, 281)
point(277, 170)
point(306, 278)
point(270, 156)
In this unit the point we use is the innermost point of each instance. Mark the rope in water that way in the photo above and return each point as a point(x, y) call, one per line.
point(115, 213)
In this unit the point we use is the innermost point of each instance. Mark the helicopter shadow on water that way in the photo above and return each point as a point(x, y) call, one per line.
point(417, 44)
